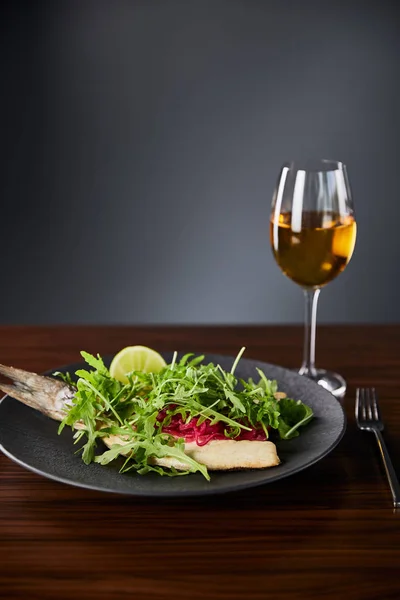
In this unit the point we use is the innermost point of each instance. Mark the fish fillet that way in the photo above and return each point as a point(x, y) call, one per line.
point(220, 455)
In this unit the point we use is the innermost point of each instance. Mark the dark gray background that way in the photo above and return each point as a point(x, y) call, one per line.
point(141, 143)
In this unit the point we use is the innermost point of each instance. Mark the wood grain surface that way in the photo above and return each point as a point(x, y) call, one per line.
point(329, 531)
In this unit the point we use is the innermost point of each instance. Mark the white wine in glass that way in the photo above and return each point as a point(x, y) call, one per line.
point(313, 233)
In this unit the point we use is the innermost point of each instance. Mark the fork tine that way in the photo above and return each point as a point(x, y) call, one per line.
point(369, 403)
point(375, 405)
point(357, 409)
point(362, 404)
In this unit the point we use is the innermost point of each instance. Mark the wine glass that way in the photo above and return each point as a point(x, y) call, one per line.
point(313, 234)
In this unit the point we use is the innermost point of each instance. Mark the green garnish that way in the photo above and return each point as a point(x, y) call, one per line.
point(138, 411)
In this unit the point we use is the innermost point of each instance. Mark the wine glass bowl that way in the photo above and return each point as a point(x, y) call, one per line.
point(313, 233)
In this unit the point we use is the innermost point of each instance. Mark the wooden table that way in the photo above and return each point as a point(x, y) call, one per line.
point(329, 531)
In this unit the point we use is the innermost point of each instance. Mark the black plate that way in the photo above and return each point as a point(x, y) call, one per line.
point(30, 439)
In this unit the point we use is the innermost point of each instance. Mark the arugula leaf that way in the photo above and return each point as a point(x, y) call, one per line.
point(235, 399)
point(115, 451)
point(96, 363)
point(153, 449)
point(269, 386)
point(292, 416)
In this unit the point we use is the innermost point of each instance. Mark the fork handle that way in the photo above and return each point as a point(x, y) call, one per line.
point(390, 472)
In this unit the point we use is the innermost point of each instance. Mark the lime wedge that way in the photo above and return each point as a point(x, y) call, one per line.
point(135, 358)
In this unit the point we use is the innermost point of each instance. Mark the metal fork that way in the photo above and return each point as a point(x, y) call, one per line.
point(368, 417)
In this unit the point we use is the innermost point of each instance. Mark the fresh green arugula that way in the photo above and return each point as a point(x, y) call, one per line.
point(104, 406)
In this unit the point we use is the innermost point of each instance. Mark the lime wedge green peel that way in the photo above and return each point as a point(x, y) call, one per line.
point(135, 358)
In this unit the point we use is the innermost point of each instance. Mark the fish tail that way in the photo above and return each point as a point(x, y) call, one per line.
point(42, 393)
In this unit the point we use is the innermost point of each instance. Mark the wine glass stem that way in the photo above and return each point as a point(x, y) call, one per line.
point(311, 302)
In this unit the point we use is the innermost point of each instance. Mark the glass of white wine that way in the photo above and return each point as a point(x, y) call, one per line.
point(313, 234)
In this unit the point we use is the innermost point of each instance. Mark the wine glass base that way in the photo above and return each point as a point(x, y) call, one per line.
point(333, 382)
